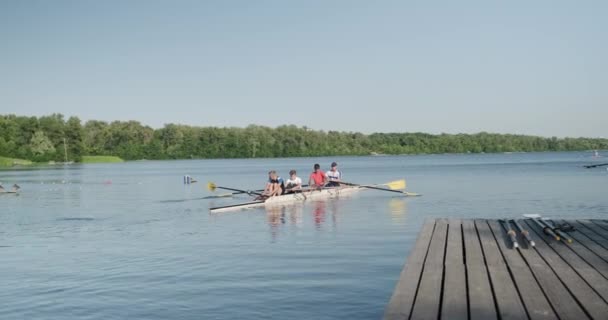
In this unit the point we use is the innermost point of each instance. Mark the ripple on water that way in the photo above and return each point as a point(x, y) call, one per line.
point(75, 219)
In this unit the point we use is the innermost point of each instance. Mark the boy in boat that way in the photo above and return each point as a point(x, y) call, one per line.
point(294, 183)
point(275, 185)
point(317, 179)
point(333, 176)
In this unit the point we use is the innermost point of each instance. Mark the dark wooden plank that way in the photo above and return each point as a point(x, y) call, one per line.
point(580, 246)
point(594, 294)
point(473, 254)
point(402, 301)
point(454, 301)
point(589, 239)
point(507, 298)
point(601, 223)
point(454, 253)
point(603, 233)
point(556, 292)
point(479, 294)
point(535, 302)
point(427, 303)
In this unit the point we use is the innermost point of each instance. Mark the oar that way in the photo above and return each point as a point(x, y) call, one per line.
point(559, 232)
point(395, 185)
point(383, 189)
point(223, 195)
point(510, 232)
point(212, 186)
point(524, 232)
point(596, 165)
point(546, 229)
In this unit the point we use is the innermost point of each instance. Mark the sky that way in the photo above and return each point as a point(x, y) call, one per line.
point(522, 67)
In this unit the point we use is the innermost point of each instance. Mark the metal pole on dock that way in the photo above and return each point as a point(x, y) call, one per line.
point(524, 232)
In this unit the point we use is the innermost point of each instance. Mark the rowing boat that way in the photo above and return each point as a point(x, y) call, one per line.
point(310, 194)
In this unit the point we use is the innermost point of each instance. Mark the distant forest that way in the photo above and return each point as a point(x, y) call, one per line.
point(41, 139)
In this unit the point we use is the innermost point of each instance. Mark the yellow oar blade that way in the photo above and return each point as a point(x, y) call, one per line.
point(211, 186)
point(396, 185)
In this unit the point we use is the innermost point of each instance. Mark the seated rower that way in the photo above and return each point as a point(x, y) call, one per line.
point(333, 176)
point(294, 183)
point(317, 177)
point(274, 186)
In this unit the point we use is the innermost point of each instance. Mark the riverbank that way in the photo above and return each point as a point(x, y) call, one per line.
point(6, 162)
point(101, 159)
point(11, 162)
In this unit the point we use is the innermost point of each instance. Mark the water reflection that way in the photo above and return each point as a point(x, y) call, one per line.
point(398, 210)
point(276, 217)
point(293, 214)
point(319, 213)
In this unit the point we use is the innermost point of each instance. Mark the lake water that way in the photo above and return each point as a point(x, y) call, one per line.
point(130, 241)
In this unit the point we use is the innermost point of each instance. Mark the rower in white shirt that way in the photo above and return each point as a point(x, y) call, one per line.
point(294, 183)
point(333, 176)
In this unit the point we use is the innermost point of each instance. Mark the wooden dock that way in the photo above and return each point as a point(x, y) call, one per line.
point(468, 269)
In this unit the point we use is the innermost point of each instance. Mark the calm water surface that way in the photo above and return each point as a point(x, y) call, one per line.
point(130, 241)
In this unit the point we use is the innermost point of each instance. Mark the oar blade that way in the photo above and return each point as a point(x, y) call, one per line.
point(211, 186)
point(396, 185)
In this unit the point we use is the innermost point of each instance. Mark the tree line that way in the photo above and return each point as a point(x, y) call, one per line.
point(47, 138)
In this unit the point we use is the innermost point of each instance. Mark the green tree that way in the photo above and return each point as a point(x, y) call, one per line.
point(41, 146)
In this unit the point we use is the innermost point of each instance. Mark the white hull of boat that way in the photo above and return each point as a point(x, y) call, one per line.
point(328, 193)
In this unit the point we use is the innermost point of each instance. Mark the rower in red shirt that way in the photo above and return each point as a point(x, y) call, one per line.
point(317, 177)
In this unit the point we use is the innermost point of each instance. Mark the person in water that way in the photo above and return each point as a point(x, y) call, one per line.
point(317, 177)
point(294, 183)
point(333, 176)
point(275, 185)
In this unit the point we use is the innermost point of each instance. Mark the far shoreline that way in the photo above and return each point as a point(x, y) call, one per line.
point(21, 163)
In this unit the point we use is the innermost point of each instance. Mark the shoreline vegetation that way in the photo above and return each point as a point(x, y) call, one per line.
point(101, 159)
point(9, 162)
point(53, 139)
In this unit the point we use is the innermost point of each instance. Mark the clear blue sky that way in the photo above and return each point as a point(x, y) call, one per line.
point(531, 67)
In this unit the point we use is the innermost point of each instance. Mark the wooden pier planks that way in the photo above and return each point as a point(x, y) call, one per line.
point(461, 269)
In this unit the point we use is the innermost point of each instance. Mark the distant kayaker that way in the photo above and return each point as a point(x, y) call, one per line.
point(294, 182)
point(333, 176)
point(275, 185)
point(317, 177)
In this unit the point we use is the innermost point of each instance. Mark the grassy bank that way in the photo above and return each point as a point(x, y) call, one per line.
point(101, 159)
point(9, 162)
